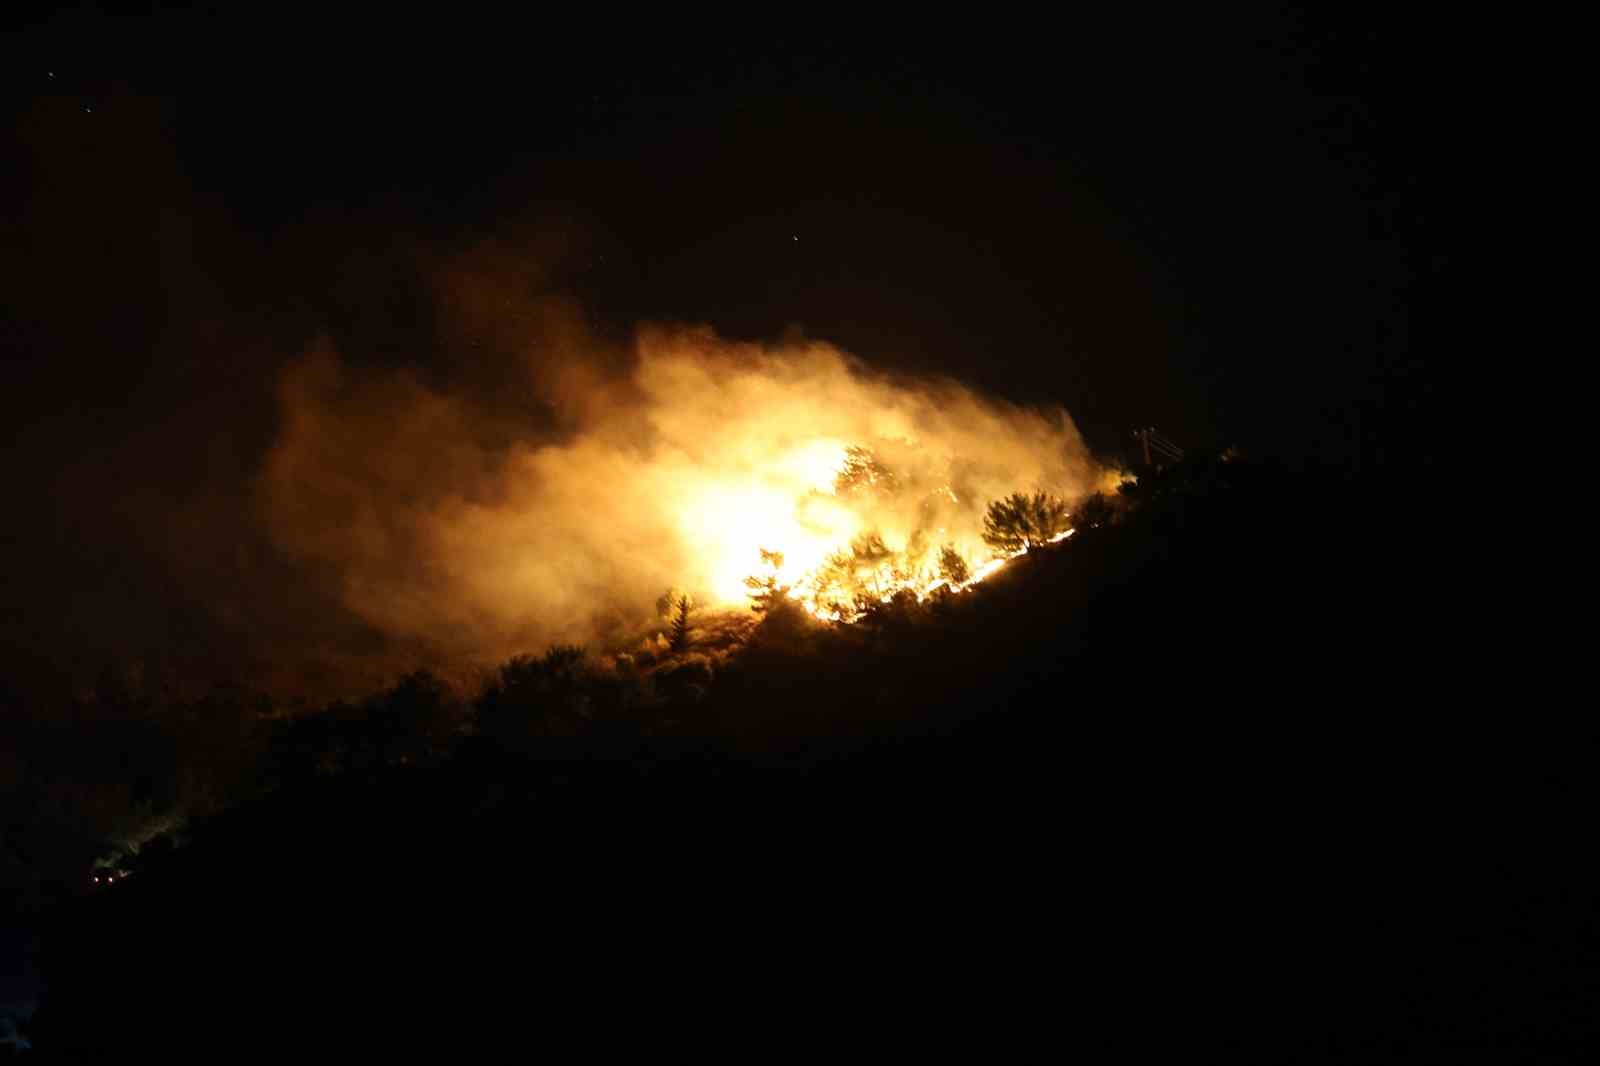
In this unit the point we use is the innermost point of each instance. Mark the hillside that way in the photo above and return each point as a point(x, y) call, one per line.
point(1200, 781)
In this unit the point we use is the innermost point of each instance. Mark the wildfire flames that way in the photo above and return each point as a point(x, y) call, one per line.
point(723, 469)
point(843, 489)
point(826, 549)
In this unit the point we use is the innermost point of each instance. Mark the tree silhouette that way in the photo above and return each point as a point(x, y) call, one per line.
point(1095, 510)
point(1020, 521)
point(667, 602)
point(765, 592)
point(852, 573)
point(680, 624)
point(952, 567)
point(413, 720)
point(534, 696)
point(863, 474)
point(868, 557)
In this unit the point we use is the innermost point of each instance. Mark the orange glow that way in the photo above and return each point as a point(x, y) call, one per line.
point(673, 468)
point(735, 523)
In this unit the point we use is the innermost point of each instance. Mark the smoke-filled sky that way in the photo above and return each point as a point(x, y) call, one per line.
point(336, 346)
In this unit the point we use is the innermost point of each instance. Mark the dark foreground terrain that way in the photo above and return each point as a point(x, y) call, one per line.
point(1223, 782)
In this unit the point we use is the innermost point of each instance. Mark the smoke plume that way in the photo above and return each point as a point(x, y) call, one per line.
point(466, 522)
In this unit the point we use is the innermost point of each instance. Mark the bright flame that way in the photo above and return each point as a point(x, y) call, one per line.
point(447, 524)
point(732, 522)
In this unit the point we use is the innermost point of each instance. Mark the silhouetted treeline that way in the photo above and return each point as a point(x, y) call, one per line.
point(1200, 781)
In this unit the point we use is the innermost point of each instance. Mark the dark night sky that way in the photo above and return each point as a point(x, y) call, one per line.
point(1210, 224)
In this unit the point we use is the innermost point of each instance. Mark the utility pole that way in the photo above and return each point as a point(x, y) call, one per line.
point(1163, 447)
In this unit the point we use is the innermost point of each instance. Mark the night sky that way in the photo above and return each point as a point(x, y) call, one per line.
point(1211, 224)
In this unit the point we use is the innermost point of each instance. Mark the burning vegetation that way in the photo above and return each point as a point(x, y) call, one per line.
point(937, 555)
point(733, 473)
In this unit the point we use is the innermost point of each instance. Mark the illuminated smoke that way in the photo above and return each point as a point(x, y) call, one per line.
point(453, 530)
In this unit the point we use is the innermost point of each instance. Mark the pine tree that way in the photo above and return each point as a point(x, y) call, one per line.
point(680, 624)
point(1020, 522)
point(952, 567)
